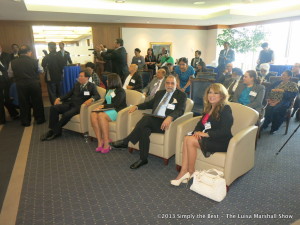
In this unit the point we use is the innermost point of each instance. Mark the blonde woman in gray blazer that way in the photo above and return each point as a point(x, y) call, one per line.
point(250, 92)
point(156, 84)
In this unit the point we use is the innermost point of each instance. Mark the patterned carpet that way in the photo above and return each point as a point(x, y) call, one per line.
point(66, 182)
point(10, 138)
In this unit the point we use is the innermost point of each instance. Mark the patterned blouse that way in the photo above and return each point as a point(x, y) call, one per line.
point(287, 87)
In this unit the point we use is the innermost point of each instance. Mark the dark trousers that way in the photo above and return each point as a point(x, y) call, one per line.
point(142, 131)
point(68, 110)
point(54, 90)
point(6, 101)
point(30, 94)
point(275, 115)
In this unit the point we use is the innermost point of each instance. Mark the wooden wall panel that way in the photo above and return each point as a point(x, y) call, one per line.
point(15, 32)
point(106, 34)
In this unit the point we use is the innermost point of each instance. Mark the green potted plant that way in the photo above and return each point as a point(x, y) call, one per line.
point(242, 40)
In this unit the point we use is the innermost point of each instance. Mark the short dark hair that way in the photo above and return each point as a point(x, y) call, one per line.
point(288, 72)
point(198, 52)
point(166, 69)
point(52, 46)
point(265, 45)
point(91, 65)
point(237, 71)
point(226, 42)
point(184, 60)
point(14, 45)
point(137, 50)
point(62, 43)
point(113, 81)
point(120, 41)
point(24, 49)
point(86, 73)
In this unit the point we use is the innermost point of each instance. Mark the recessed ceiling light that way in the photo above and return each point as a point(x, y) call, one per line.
point(120, 1)
point(16, 0)
point(199, 3)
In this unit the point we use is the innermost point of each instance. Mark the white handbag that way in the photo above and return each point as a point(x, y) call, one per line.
point(210, 183)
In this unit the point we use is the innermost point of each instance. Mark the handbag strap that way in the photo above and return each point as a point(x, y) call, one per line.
point(218, 172)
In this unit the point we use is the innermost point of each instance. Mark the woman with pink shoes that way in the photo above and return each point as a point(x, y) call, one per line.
point(115, 100)
point(212, 133)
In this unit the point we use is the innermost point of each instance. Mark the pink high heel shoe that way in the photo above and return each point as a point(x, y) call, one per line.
point(106, 150)
point(99, 149)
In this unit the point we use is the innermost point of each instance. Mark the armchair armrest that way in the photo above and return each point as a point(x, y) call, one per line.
point(182, 129)
point(170, 144)
point(240, 154)
point(84, 114)
point(135, 117)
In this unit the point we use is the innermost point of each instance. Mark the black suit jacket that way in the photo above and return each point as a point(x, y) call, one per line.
point(119, 101)
point(179, 106)
point(220, 132)
point(119, 61)
point(77, 97)
point(25, 70)
point(136, 81)
point(53, 64)
point(66, 57)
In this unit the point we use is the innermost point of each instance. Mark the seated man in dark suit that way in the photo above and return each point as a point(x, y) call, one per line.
point(84, 92)
point(156, 84)
point(167, 105)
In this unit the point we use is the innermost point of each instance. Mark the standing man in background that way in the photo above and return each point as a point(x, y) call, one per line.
point(64, 54)
point(26, 74)
point(15, 51)
point(227, 55)
point(118, 57)
point(53, 65)
point(265, 56)
point(4, 89)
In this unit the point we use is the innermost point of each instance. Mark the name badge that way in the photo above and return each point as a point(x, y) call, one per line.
point(86, 93)
point(171, 106)
point(155, 84)
point(253, 93)
point(139, 61)
point(207, 126)
point(113, 94)
point(132, 81)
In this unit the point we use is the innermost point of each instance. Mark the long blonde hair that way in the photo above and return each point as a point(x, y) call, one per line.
point(217, 88)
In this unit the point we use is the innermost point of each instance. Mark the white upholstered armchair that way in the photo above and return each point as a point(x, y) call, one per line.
point(118, 129)
point(161, 145)
point(239, 157)
point(79, 122)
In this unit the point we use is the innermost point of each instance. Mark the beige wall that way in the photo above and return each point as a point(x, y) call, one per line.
point(184, 41)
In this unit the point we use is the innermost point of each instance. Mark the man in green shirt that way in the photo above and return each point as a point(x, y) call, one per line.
point(166, 58)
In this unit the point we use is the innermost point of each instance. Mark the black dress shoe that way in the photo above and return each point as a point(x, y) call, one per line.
point(53, 136)
point(46, 135)
point(273, 132)
point(119, 144)
point(25, 124)
point(138, 164)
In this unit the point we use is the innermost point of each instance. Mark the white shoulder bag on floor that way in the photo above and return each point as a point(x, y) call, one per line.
point(210, 183)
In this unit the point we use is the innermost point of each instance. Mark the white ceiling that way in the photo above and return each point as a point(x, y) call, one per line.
point(181, 12)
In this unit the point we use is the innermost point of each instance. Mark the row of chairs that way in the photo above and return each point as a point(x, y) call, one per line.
point(238, 159)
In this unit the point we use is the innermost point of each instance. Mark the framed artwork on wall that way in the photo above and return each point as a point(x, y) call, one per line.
point(158, 46)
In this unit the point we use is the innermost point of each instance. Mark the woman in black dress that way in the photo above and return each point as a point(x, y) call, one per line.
point(211, 134)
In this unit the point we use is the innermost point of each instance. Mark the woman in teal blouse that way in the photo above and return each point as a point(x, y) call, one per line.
point(250, 93)
point(115, 99)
